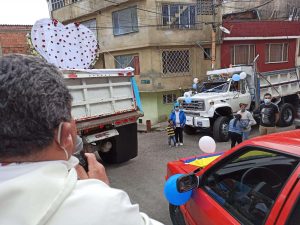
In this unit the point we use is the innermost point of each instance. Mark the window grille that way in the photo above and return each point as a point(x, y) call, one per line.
point(125, 21)
point(205, 7)
point(277, 53)
point(169, 98)
point(207, 53)
point(176, 62)
point(57, 4)
point(178, 16)
point(242, 54)
point(123, 61)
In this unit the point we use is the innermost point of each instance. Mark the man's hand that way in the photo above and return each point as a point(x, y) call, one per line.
point(96, 170)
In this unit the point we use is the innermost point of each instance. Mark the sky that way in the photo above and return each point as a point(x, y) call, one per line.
point(23, 12)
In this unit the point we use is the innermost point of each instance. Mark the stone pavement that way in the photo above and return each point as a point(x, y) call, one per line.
point(157, 127)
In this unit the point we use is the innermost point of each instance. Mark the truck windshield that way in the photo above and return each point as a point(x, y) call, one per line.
point(215, 87)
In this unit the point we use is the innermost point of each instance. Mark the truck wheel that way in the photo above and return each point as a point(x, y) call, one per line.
point(220, 129)
point(287, 115)
point(189, 130)
point(176, 215)
point(124, 146)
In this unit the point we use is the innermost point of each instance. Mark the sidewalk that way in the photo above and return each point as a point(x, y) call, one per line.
point(157, 127)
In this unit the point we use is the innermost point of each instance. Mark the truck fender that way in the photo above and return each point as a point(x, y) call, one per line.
point(215, 108)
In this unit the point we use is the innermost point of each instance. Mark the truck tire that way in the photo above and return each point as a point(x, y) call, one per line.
point(124, 146)
point(189, 130)
point(220, 129)
point(176, 215)
point(287, 115)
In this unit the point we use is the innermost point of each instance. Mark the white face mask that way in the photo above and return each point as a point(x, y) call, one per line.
point(267, 101)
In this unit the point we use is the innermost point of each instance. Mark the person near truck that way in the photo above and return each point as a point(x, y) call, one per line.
point(171, 133)
point(236, 130)
point(269, 115)
point(179, 119)
point(247, 120)
point(40, 181)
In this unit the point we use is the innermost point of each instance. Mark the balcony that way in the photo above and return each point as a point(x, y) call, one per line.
point(67, 10)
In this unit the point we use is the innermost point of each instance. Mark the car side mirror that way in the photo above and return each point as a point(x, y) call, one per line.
point(187, 182)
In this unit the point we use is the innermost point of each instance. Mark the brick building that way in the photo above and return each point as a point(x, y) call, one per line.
point(276, 42)
point(13, 39)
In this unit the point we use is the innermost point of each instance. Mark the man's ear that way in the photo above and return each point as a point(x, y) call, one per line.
point(67, 137)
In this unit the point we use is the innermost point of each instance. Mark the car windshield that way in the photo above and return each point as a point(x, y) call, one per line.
point(215, 87)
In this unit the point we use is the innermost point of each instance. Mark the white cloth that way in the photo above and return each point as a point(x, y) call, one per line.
point(177, 119)
point(49, 193)
point(247, 116)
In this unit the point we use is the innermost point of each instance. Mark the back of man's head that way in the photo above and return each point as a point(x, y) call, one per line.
point(33, 102)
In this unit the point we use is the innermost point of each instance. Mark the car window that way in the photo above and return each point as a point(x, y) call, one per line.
point(294, 218)
point(248, 184)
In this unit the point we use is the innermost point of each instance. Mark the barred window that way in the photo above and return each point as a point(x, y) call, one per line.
point(205, 7)
point(277, 53)
point(169, 98)
point(176, 61)
point(125, 21)
point(178, 16)
point(123, 61)
point(56, 4)
point(242, 54)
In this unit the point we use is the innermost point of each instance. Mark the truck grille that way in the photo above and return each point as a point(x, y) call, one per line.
point(195, 105)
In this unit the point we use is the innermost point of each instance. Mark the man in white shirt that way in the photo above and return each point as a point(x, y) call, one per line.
point(40, 181)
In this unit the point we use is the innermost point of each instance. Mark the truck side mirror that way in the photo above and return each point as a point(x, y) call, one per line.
point(187, 182)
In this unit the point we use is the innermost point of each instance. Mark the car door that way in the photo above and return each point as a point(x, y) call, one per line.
point(228, 192)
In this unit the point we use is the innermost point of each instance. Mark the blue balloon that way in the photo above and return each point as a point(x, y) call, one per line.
point(171, 193)
point(236, 77)
point(188, 100)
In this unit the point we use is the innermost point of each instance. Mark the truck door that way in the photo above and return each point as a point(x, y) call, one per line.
point(238, 93)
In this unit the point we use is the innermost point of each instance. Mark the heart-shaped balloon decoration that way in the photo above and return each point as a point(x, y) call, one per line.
point(68, 47)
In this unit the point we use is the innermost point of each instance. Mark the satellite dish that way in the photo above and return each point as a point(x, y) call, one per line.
point(225, 30)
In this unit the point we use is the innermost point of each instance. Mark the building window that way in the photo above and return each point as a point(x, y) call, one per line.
point(205, 7)
point(123, 61)
point(56, 4)
point(276, 53)
point(178, 16)
point(92, 25)
point(125, 21)
point(242, 54)
point(169, 98)
point(207, 53)
point(176, 61)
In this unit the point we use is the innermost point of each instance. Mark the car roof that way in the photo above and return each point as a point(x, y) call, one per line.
point(287, 142)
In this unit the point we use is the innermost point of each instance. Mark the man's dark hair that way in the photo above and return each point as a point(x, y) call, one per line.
point(33, 101)
point(267, 94)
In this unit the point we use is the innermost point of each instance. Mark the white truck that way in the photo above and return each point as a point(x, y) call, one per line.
point(218, 100)
point(106, 106)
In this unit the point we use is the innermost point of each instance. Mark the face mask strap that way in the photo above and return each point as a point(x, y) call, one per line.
point(59, 138)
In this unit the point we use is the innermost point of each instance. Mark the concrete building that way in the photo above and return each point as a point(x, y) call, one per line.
point(276, 43)
point(163, 40)
point(13, 39)
point(267, 9)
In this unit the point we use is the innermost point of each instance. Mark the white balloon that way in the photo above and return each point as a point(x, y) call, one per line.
point(243, 75)
point(207, 144)
point(187, 94)
point(196, 80)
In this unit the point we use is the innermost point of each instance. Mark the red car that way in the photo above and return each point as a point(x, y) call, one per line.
point(257, 182)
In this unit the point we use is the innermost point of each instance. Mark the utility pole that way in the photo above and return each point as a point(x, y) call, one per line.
point(213, 36)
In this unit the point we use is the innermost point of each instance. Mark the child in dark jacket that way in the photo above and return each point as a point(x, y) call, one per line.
point(171, 133)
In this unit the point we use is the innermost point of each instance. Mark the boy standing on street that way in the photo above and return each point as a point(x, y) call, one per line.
point(171, 133)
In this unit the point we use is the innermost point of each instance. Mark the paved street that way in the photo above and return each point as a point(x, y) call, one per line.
point(143, 177)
